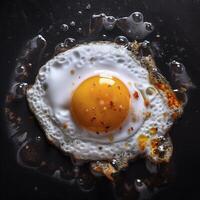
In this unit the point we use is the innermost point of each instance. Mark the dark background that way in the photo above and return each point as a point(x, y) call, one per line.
point(22, 19)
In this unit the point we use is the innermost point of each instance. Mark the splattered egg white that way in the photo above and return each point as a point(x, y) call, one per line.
point(97, 101)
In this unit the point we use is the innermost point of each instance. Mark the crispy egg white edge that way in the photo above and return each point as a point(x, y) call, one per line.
point(87, 150)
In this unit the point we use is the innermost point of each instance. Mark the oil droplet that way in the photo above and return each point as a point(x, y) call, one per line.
point(177, 67)
point(35, 188)
point(134, 27)
point(151, 167)
point(38, 138)
point(20, 89)
point(72, 23)
point(79, 30)
point(56, 174)
point(104, 37)
point(146, 44)
point(180, 77)
point(145, 49)
point(96, 23)
point(148, 26)
point(121, 40)
point(141, 187)
point(139, 184)
point(114, 163)
point(30, 154)
point(182, 96)
point(80, 12)
point(88, 6)
point(70, 42)
point(137, 17)
point(60, 48)
point(86, 182)
point(20, 69)
point(109, 22)
point(64, 27)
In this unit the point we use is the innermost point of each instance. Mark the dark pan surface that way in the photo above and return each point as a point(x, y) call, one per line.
point(177, 22)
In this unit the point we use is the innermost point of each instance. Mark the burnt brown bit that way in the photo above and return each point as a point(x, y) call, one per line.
point(160, 82)
point(135, 95)
point(172, 100)
point(147, 115)
point(165, 114)
point(148, 62)
point(60, 49)
point(65, 125)
point(142, 141)
point(104, 168)
point(154, 145)
point(175, 115)
point(160, 150)
point(93, 119)
point(135, 47)
point(153, 130)
point(72, 72)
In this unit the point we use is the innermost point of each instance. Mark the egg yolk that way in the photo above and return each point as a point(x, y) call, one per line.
point(100, 104)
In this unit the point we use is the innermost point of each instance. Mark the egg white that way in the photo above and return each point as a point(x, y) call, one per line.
point(49, 99)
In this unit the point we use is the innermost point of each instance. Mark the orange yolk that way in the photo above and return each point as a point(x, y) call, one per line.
point(100, 104)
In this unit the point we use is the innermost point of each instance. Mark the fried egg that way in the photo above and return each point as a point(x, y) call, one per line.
point(100, 102)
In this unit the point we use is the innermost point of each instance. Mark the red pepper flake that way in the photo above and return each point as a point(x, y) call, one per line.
point(111, 104)
point(130, 130)
point(93, 118)
point(136, 95)
point(118, 87)
point(161, 86)
point(102, 123)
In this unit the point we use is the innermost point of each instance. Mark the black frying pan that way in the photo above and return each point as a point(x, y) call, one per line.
point(177, 22)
